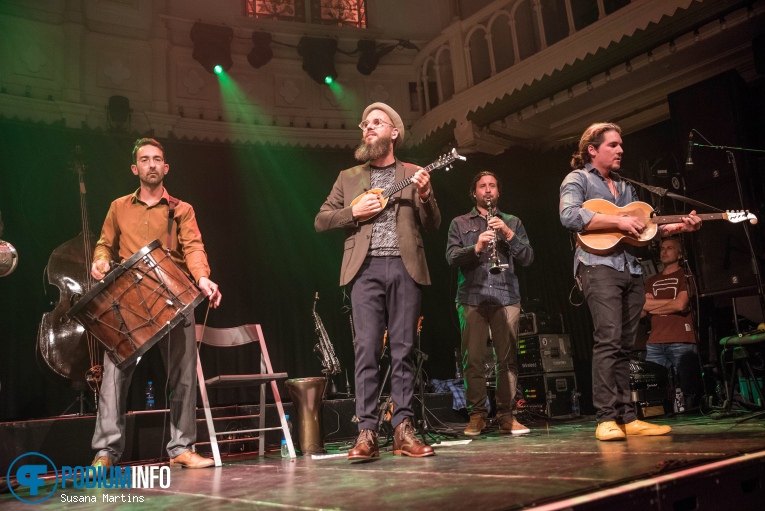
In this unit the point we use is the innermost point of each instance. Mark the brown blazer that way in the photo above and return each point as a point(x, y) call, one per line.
point(411, 214)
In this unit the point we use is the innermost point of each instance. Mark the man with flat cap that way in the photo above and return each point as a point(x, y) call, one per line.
point(384, 266)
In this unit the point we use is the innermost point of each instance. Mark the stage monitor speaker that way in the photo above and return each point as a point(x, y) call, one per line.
point(721, 109)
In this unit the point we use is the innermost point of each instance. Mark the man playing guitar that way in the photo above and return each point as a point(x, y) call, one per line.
point(612, 282)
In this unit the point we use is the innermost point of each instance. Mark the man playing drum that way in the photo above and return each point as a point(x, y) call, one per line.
point(132, 222)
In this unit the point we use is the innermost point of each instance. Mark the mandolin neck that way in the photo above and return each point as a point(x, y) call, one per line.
point(403, 184)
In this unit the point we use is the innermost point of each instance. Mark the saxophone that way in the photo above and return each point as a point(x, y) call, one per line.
point(496, 265)
point(324, 348)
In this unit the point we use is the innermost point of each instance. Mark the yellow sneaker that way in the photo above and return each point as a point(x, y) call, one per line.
point(609, 430)
point(642, 428)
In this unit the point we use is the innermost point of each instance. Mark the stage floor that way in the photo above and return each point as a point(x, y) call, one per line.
point(556, 461)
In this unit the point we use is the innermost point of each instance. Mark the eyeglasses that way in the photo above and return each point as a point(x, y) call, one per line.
point(374, 124)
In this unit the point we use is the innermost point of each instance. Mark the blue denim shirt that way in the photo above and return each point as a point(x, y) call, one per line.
point(582, 185)
point(476, 286)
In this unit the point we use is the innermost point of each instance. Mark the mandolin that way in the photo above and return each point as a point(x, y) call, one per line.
point(603, 241)
point(385, 194)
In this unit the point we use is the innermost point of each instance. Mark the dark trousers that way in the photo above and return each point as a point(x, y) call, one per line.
point(474, 326)
point(615, 300)
point(383, 293)
point(179, 354)
point(682, 360)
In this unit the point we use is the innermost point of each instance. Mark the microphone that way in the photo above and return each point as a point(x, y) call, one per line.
point(689, 161)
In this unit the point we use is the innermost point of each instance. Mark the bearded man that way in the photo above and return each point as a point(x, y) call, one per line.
point(384, 266)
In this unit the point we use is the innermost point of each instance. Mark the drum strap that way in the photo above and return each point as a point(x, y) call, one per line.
point(172, 203)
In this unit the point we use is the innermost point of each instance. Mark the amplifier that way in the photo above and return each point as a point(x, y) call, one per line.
point(548, 394)
point(649, 383)
point(533, 323)
point(549, 353)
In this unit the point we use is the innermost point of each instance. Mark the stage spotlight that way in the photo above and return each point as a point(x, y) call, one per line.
point(319, 58)
point(212, 46)
point(261, 52)
point(369, 55)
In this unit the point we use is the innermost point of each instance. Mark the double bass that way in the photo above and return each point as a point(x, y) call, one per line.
point(63, 345)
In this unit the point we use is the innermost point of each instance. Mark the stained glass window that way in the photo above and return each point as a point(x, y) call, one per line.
point(350, 13)
point(284, 10)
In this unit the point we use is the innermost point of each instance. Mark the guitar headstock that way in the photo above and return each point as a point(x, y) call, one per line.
point(445, 160)
point(736, 217)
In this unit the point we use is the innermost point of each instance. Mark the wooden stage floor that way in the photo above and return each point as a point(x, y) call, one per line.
point(556, 461)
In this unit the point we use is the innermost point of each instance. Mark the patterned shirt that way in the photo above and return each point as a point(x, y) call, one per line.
point(581, 185)
point(384, 236)
point(476, 285)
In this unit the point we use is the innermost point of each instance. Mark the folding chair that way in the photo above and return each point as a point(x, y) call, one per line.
point(232, 337)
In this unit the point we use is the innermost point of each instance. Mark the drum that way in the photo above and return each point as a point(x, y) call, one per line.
point(137, 303)
point(307, 395)
point(9, 258)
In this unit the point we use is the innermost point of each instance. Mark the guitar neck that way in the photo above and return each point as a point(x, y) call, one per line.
point(403, 184)
point(673, 219)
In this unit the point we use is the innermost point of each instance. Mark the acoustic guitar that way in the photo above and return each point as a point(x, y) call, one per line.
point(385, 194)
point(603, 241)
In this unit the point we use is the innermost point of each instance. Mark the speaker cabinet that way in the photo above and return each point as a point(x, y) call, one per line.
point(723, 110)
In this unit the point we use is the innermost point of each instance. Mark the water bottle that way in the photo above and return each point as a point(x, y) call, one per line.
point(150, 396)
point(284, 449)
point(679, 405)
point(575, 410)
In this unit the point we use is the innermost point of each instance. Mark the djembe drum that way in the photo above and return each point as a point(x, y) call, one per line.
point(307, 395)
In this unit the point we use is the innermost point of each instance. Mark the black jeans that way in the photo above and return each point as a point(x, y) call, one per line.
point(615, 300)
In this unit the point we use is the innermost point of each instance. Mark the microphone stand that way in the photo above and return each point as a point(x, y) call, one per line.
point(423, 425)
point(752, 254)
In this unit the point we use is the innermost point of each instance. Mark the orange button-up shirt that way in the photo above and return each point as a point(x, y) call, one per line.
point(131, 225)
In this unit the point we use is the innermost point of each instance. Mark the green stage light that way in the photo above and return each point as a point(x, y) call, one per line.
point(212, 46)
point(318, 58)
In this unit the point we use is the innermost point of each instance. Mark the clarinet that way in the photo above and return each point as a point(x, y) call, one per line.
point(324, 348)
point(496, 265)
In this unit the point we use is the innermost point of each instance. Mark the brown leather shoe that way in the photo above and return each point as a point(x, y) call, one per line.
point(405, 442)
point(190, 459)
point(476, 425)
point(102, 461)
point(366, 446)
point(513, 427)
